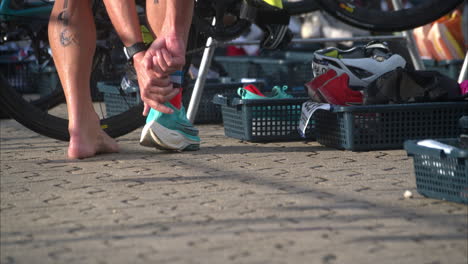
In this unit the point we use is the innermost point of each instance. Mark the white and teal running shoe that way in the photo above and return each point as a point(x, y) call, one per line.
point(170, 131)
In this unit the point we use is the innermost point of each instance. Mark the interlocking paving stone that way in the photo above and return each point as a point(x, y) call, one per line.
point(230, 202)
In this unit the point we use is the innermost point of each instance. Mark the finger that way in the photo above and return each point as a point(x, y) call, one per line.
point(174, 62)
point(147, 61)
point(161, 81)
point(157, 68)
point(161, 108)
point(146, 109)
point(157, 93)
point(162, 60)
point(160, 95)
point(173, 93)
point(168, 60)
point(155, 102)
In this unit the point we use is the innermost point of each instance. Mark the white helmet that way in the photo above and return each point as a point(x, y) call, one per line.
point(363, 64)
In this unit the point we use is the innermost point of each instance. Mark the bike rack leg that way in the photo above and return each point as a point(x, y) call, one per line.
point(413, 50)
point(201, 78)
point(464, 70)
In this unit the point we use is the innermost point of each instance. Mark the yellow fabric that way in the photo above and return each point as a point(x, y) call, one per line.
point(333, 54)
point(146, 34)
point(444, 43)
point(453, 22)
point(276, 3)
point(453, 46)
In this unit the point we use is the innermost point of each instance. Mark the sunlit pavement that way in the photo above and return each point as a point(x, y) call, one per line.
point(230, 202)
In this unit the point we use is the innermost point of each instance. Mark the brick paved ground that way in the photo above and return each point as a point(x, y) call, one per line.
point(230, 202)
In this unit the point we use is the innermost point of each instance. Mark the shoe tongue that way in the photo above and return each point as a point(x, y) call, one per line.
point(251, 88)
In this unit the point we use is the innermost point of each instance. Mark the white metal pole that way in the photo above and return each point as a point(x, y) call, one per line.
point(463, 72)
point(201, 78)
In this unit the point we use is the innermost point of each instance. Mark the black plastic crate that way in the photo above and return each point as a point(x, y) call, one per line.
point(451, 68)
point(438, 174)
point(293, 72)
point(115, 99)
point(19, 75)
point(237, 67)
point(208, 112)
point(361, 128)
point(46, 79)
point(263, 119)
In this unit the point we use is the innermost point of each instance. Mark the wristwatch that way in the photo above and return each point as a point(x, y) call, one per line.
point(134, 49)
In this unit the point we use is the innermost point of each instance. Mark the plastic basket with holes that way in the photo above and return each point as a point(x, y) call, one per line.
point(361, 128)
point(451, 68)
point(209, 112)
point(263, 120)
point(116, 100)
point(440, 174)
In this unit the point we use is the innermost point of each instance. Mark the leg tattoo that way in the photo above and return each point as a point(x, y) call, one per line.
point(63, 17)
point(66, 37)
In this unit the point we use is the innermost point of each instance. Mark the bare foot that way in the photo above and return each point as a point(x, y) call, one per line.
point(88, 142)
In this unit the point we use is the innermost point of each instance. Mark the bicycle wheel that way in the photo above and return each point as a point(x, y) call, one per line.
point(228, 24)
point(370, 16)
point(54, 123)
point(25, 58)
point(120, 112)
point(43, 108)
point(300, 7)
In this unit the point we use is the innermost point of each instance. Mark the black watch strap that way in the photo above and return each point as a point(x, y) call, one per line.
point(134, 49)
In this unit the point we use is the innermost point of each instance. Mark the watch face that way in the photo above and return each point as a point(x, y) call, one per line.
point(126, 53)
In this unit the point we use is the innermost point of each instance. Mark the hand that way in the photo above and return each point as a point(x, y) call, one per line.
point(155, 89)
point(166, 55)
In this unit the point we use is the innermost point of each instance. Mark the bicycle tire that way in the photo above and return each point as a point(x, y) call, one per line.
point(55, 127)
point(226, 34)
point(300, 7)
point(40, 55)
point(386, 21)
point(233, 31)
point(42, 122)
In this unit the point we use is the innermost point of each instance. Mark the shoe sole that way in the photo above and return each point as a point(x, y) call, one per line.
point(157, 136)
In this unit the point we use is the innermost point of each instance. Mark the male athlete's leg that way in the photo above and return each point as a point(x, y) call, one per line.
point(72, 36)
point(170, 22)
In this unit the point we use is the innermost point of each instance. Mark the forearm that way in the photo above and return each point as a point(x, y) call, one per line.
point(178, 18)
point(125, 20)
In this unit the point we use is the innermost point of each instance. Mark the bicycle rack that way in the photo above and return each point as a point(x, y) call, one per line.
point(211, 44)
